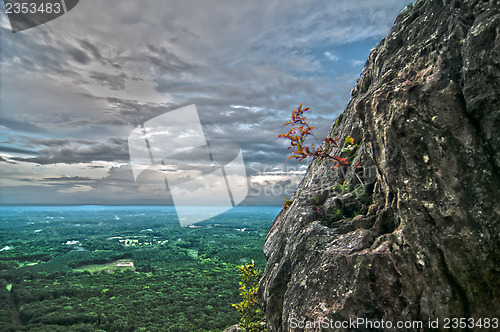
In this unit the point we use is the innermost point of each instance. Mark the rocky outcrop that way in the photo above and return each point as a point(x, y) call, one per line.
point(412, 234)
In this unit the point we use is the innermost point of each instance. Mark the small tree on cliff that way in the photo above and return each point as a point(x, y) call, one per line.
point(300, 131)
point(252, 316)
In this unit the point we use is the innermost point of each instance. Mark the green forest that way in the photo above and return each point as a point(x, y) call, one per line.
point(150, 275)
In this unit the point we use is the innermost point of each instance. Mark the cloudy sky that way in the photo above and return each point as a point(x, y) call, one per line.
point(72, 90)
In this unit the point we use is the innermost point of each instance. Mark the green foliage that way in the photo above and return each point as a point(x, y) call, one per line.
point(185, 279)
point(358, 190)
point(342, 188)
point(349, 141)
point(338, 215)
point(252, 316)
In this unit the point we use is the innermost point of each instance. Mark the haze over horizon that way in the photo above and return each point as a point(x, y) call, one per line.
point(73, 89)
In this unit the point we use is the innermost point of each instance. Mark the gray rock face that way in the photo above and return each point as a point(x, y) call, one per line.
point(413, 234)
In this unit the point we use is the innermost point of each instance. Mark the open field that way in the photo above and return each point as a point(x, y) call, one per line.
point(120, 265)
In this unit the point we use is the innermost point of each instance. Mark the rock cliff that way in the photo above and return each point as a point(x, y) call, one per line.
point(411, 234)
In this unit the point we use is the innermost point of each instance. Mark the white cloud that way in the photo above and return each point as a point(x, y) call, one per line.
point(357, 63)
point(331, 56)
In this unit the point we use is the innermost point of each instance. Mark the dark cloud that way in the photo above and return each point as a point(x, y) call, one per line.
point(21, 126)
point(133, 112)
point(68, 178)
point(54, 142)
point(40, 52)
point(114, 82)
point(15, 150)
point(63, 182)
point(79, 151)
point(85, 44)
point(167, 62)
point(78, 55)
